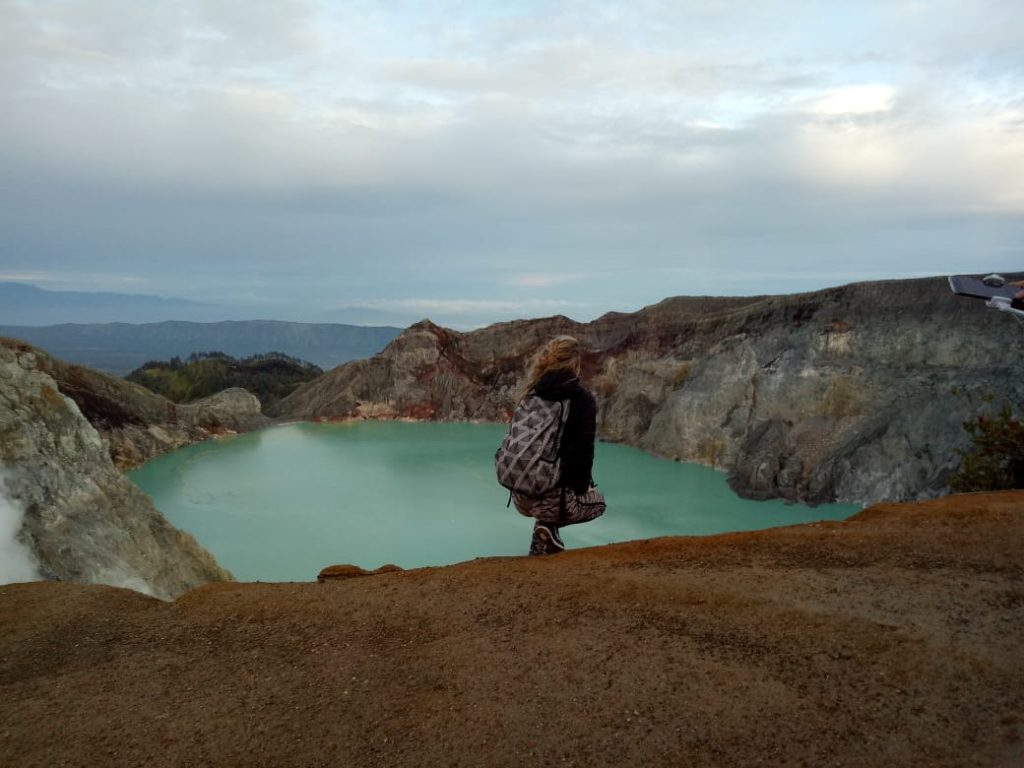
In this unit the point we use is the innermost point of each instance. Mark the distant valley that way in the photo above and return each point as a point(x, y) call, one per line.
point(119, 348)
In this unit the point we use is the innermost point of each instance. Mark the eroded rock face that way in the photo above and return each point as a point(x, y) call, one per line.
point(136, 424)
point(845, 394)
point(83, 520)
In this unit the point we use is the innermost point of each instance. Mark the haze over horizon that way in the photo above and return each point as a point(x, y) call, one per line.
point(480, 162)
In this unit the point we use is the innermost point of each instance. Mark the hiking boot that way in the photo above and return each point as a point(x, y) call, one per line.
point(546, 540)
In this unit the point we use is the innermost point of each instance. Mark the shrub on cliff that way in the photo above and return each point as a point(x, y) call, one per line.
point(269, 376)
point(996, 461)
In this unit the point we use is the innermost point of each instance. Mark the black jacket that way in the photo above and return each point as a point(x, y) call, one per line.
point(577, 448)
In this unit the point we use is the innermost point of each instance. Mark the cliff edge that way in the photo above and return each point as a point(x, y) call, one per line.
point(890, 639)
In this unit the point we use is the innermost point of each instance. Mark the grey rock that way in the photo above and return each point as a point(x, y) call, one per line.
point(83, 520)
point(137, 424)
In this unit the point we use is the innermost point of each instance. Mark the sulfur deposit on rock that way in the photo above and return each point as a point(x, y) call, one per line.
point(84, 521)
point(839, 395)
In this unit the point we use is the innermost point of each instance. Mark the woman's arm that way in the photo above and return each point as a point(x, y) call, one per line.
point(581, 431)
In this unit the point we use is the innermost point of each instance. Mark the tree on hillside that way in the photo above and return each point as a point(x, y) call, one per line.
point(996, 460)
point(269, 376)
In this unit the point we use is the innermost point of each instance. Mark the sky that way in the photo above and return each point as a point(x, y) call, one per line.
point(481, 161)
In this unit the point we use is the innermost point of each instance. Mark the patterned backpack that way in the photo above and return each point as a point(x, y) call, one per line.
point(527, 460)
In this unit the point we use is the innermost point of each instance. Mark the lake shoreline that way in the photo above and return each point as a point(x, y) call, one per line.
point(415, 493)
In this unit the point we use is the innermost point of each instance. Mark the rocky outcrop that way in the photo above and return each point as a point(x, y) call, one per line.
point(83, 520)
point(136, 424)
point(852, 394)
point(345, 571)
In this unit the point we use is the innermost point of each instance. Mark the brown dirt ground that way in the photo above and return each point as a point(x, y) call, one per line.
point(893, 639)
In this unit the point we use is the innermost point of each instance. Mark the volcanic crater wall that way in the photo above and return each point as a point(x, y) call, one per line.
point(852, 394)
point(64, 431)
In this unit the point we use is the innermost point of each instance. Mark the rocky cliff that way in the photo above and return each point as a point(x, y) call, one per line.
point(852, 394)
point(61, 427)
point(137, 424)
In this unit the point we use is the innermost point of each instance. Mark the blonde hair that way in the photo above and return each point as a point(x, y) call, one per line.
point(561, 353)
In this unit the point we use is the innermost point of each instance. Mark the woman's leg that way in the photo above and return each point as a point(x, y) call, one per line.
point(546, 540)
point(569, 510)
point(545, 511)
point(581, 508)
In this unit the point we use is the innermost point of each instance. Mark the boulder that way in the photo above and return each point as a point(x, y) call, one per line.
point(342, 572)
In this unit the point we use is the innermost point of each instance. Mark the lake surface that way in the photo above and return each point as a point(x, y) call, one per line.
point(282, 503)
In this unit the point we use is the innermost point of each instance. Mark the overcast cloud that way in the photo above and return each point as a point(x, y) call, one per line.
point(477, 162)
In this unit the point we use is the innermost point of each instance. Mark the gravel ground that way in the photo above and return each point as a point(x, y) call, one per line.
point(891, 639)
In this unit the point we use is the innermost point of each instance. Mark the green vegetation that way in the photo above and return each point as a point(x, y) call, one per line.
point(996, 461)
point(269, 376)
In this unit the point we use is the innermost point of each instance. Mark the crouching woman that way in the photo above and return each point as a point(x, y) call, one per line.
point(555, 376)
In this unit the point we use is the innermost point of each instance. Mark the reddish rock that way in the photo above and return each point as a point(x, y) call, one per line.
point(341, 572)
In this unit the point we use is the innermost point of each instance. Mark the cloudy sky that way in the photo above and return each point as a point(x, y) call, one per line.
point(477, 161)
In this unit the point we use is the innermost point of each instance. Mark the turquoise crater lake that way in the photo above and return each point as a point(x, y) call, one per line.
point(281, 503)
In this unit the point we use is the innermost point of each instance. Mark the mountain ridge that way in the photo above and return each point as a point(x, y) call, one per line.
point(41, 306)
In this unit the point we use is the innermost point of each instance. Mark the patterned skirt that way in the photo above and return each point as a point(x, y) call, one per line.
point(562, 506)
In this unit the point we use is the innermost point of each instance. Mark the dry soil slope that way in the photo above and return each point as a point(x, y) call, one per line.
point(889, 639)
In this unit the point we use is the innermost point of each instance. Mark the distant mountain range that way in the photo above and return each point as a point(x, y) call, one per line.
point(122, 347)
point(23, 304)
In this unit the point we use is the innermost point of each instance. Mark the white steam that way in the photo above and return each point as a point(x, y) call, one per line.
point(16, 560)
